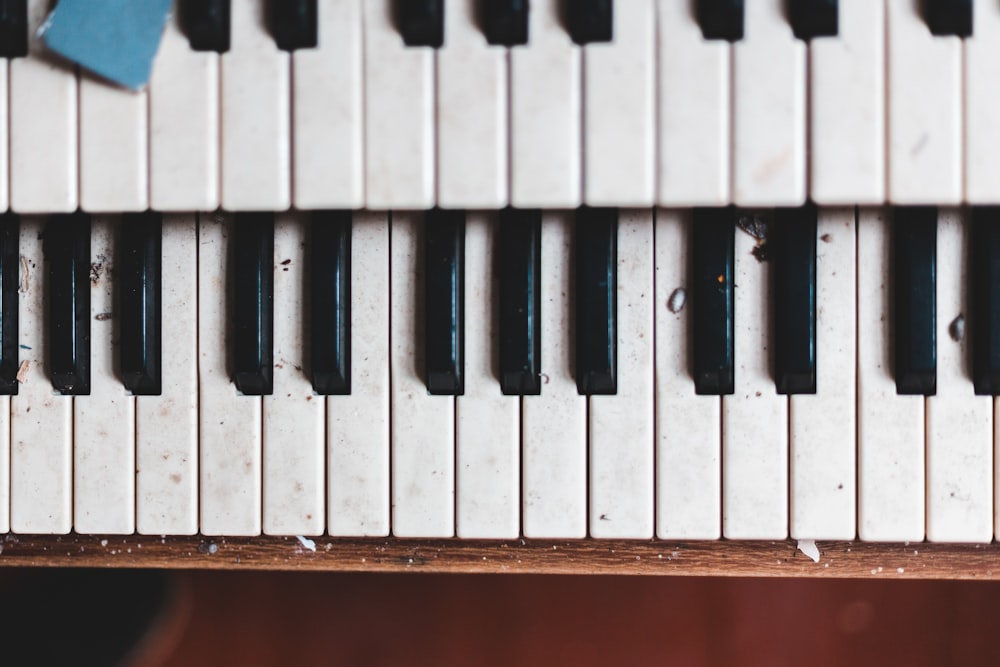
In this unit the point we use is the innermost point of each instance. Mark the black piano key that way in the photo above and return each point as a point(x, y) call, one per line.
point(596, 300)
point(793, 243)
point(420, 22)
point(13, 28)
point(505, 22)
point(949, 17)
point(67, 255)
point(984, 288)
point(814, 18)
point(293, 24)
point(138, 273)
point(253, 293)
point(712, 300)
point(519, 265)
point(205, 23)
point(914, 231)
point(330, 248)
point(10, 224)
point(721, 19)
point(444, 301)
point(590, 21)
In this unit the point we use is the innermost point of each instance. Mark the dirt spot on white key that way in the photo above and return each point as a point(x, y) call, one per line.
point(757, 224)
point(175, 478)
point(103, 317)
point(826, 238)
point(97, 269)
point(957, 328)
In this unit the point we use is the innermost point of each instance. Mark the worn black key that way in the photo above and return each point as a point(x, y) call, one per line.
point(590, 20)
point(420, 22)
point(253, 294)
point(596, 300)
point(519, 265)
point(814, 18)
point(793, 290)
point(984, 293)
point(949, 17)
point(914, 245)
point(444, 301)
point(140, 320)
point(712, 299)
point(330, 258)
point(205, 23)
point(293, 24)
point(10, 224)
point(67, 255)
point(13, 28)
point(721, 19)
point(505, 22)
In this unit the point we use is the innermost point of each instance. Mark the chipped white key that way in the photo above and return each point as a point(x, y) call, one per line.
point(471, 114)
point(554, 424)
point(619, 99)
point(43, 126)
point(183, 126)
point(327, 111)
point(688, 426)
point(358, 424)
point(113, 147)
point(769, 101)
point(488, 423)
point(847, 108)
point(423, 426)
point(754, 417)
point(256, 171)
point(890, 426)
point(229, 423)
point(621, 426)
point(959, 423)
point(399, 115)
point(41, 433)
point(822, 426)
point(545, 114)
point(693, 82)
point(167, 425)
point(925, 109)
point(294, 419)
point(982, 89)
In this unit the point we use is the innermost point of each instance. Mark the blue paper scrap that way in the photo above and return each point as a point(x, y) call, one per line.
point(116, 39)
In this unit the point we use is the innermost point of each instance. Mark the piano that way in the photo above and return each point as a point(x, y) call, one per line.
point(660, 286)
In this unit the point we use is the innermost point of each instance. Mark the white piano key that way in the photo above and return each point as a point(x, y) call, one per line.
point(41, 433)
point(545, 114)
point(982, 89)
point(167, 425)
point(183, 126)
point(4, 139)
point(754, 417)
point(488, 423)
point(43, 126)
point(229, 422)
point(294, 419)
point(822, 426)
point(693, 79)
point(621, 426)
point(4, 464)
point(847, 108)
point(554, 424)
point(619, 99)
point(959, 423)
point(328, 111)
point(256, 145)
point(471, 113)
point(113, 147)
point(399, 115)
point(769, 102)
point(358, 424)
point(688, 426)
point(104, 421)
point(925, 109)
point(890, 426)
point(423, 426)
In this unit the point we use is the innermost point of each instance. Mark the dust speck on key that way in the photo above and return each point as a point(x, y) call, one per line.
point(208, 548)
point(957, 328)
point(678, 298)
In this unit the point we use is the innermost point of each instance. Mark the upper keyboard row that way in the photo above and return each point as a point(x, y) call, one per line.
point(626, 105)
